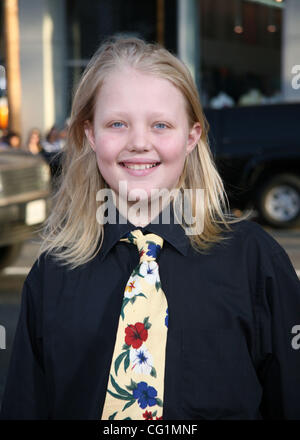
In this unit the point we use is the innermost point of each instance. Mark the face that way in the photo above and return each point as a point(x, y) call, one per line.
point(140, 132)
point(15, 141)
point(34, 137)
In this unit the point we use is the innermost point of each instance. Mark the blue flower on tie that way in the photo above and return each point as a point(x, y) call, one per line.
point(145, 394)
point(153, 249)
point(150, 270)
point(167, 318)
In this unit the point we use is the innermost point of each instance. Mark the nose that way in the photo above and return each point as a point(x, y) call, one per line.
point(138, 139)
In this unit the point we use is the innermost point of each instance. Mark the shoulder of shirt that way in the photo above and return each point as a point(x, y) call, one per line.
point(45, 265)
point(252, 234)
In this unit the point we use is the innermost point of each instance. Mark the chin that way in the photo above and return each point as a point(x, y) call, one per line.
point(143, 199)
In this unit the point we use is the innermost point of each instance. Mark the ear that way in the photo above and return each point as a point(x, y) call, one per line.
point(194, 136)
point(89, 132)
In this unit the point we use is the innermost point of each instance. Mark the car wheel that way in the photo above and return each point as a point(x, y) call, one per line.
point(8, 254)
point(279, 201)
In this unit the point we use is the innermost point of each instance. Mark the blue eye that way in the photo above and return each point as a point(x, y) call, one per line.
point(160, 125)
point(117, 124)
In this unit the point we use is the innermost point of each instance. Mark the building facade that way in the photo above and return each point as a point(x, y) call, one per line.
point(239, 51)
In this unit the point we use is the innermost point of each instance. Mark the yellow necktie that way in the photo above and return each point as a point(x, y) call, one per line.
point(136, 380)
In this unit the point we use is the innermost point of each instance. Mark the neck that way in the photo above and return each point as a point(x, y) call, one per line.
point(140, 213)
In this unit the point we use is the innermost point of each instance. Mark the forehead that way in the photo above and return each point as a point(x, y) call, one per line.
point(134, 90)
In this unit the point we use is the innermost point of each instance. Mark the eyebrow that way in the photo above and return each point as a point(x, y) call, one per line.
point(123, 114)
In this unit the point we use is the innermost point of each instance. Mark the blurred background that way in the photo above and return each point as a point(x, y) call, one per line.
point(245, 58)
point(231, 46)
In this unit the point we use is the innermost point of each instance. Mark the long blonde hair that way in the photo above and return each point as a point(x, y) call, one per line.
point(71, 233)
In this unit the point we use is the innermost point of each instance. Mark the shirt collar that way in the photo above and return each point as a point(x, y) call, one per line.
point(172, 232)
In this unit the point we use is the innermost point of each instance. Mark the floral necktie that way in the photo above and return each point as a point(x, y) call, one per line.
point(136, 380)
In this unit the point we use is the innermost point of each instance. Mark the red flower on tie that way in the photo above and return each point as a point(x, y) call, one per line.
point(136, 334)
point(141, 253)
point(148, 415)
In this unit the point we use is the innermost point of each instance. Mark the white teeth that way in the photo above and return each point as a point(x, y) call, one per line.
point(140, 166)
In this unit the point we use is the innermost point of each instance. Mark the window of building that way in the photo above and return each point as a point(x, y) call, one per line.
point(241, 52)
point(89, 22)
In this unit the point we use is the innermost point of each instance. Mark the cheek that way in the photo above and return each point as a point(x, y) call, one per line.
point(107, 147)
point(172, 150)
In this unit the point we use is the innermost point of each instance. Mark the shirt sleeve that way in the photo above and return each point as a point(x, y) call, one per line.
point(279, 338)
point(25, 390)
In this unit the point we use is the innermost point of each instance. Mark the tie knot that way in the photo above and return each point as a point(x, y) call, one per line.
point(148, 245)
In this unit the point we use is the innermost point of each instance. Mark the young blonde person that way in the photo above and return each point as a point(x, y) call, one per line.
point(229, 336)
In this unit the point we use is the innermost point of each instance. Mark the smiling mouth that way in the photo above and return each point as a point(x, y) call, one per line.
point(139, 166)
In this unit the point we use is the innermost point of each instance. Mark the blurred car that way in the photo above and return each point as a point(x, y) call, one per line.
point(25, 188)
point(257, 152)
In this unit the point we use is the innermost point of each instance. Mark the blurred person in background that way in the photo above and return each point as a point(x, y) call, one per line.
point(3, 133)
point(12, 139)
point(51, 149)
point(34, 141)
point(62, 135)
point(52, 142)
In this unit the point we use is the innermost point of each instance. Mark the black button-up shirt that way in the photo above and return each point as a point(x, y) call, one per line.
point(233, 347)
